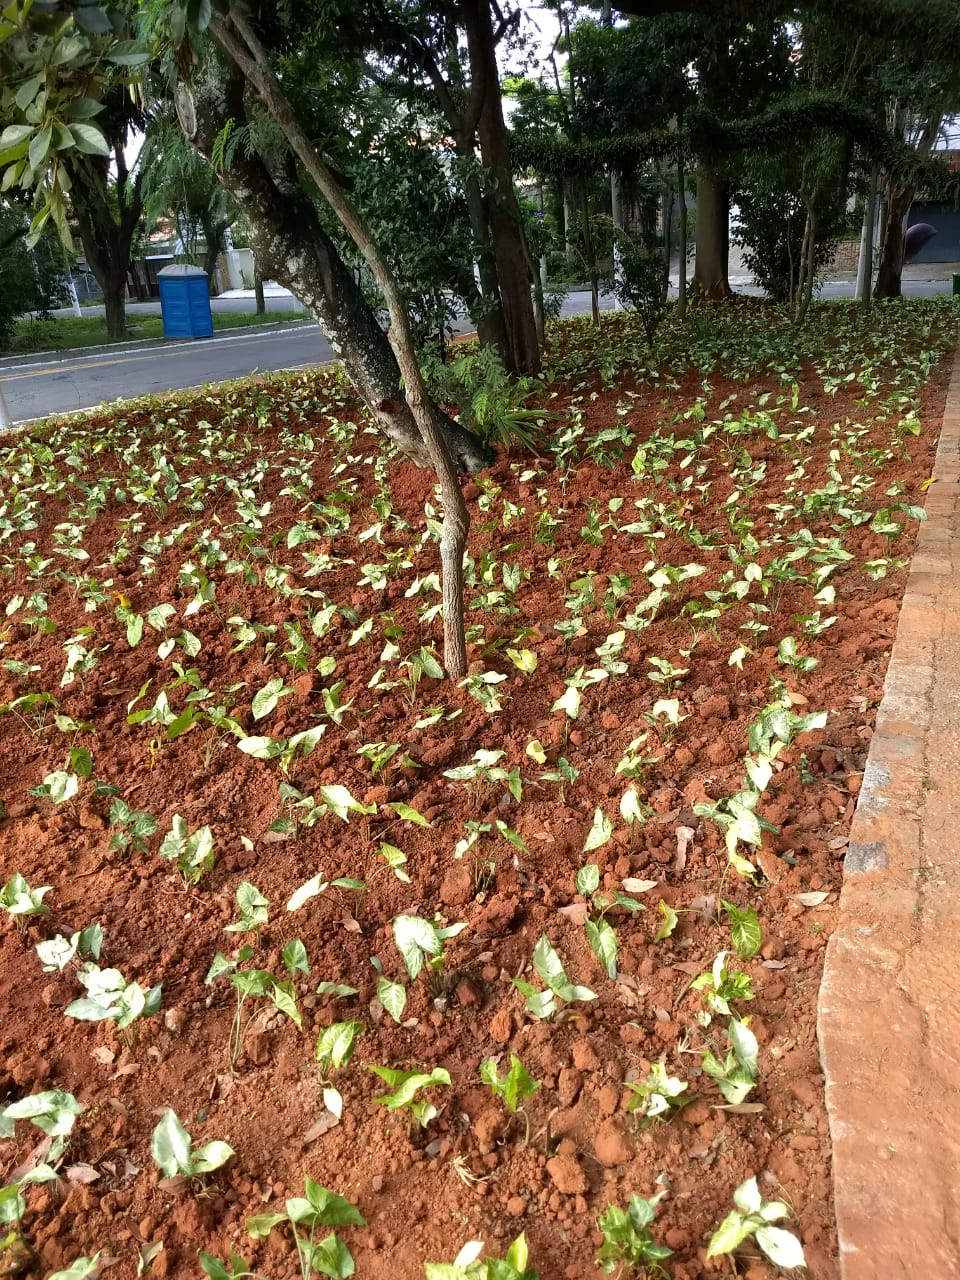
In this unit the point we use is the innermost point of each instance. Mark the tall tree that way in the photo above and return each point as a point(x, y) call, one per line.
point(448, 52)
point(180, 184)
point(69, 122)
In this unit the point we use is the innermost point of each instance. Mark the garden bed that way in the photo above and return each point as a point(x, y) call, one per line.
point(716, 544)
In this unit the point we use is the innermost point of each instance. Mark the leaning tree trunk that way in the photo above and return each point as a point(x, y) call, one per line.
point(241, 43)
point(292, 248)
point(710, 275)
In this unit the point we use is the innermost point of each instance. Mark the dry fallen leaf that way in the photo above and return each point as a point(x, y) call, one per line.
point(82, 1173)
point(320, 1126)
point(705, 906)
point(774, 964)
point(739, 1108)
point(103, 1054)
point(809, 899)
point(684, 840)
point(576, 913)
point(274, 837)
point(638, 886)
point(173, 1185)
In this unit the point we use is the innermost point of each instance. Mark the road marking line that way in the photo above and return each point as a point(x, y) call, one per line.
point(11, 372)
point(20, 424)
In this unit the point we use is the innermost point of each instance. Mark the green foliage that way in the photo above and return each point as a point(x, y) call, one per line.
point(468, 1265)
point(754, 1216)
point(402, 187)
point(513, 1087)
point(60, 70)
point(318, 1207)
point(628, 1243)
point(770, 229)
point(406, 1085)
point(494, 404)
point(30, 280)
point(173, 1150)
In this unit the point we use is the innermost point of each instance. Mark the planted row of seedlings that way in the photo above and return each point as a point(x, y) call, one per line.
point(223, 696)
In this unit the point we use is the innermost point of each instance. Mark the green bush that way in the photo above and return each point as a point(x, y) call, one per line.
point(29, 280)
point(492, 403)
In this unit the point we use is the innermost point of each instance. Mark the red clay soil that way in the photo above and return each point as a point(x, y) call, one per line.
point(472, 1174)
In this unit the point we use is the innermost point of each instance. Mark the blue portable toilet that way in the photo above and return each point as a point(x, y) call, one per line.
point(185, 301)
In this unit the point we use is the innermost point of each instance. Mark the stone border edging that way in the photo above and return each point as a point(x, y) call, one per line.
point(889, 1004)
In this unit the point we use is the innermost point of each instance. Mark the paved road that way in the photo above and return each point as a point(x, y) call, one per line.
point(58, 384)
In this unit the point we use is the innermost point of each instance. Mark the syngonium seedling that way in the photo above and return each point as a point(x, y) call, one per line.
point(17, 899)
point(236, 1269)
point(420, 944)
point(191, 851)
point(512, 1088)
point(173, 1150)
point(252, 907)
point(259, 983)
point(657, 1097)
point(560, 990)
point(134, 827)
point(737, 1074)
point(318, 1207)
point(483, 770)
point(406, 1085)
point(600, 933)
point(56, 953)
point(86, 1268)
point(754, 1216)
point(110, 998)
point(628, 1243)
point(722, 986)
point(468, 1264)
point(54, 1113)
point(335, 1046)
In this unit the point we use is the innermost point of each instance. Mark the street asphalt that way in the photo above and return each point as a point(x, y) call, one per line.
point(63, 382)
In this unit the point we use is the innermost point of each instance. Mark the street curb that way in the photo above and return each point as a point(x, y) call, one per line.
point(889, 1005)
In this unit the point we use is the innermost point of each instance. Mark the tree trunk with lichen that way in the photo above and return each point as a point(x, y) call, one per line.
point(292, 248)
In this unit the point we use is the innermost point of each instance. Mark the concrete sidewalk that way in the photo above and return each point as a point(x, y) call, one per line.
point(889, 1014)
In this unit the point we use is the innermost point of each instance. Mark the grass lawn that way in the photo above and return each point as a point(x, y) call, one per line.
point(64, 332)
